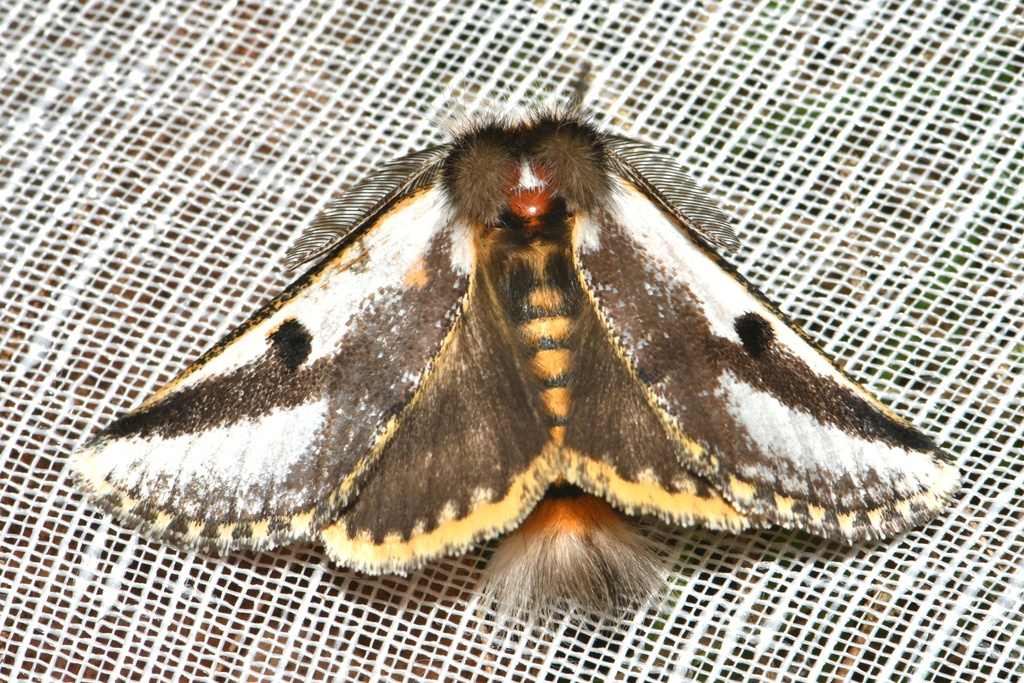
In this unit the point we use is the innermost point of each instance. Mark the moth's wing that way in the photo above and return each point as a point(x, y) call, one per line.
point(617, 447)
point(468, 459)
point(750, 404)
point(267, 434)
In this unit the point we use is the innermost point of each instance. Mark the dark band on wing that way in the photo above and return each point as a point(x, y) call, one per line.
point(683, 348)
point(670, 342)
point(385, 373)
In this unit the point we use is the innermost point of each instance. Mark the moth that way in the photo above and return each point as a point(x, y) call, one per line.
point(524, 331)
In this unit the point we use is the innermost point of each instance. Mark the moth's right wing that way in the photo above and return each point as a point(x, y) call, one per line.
point(268, 435)
point(751, 405)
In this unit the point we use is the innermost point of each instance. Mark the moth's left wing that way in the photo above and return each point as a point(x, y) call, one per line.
point(468, 458)
point(749, 403)
point(268, 434)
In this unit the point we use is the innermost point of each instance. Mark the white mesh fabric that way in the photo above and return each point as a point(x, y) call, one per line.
point(158, 159)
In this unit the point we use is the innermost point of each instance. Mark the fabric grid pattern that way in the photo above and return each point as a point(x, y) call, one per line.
point(159, 158)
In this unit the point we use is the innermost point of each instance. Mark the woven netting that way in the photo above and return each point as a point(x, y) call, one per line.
point(159, 158)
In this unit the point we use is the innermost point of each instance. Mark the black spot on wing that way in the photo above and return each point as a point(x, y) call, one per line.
point(393, 336)
point(755, 332)
point(687, 366)
point(362, 379)
point(685, 359)
point(291, 342)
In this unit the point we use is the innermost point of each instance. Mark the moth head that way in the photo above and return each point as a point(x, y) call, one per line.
point(480, 172)
point(572, 154)
point(549, 159)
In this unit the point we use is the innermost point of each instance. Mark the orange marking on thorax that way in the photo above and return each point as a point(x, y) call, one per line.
point(578, 515)
point(531, 198)
point(530, 205)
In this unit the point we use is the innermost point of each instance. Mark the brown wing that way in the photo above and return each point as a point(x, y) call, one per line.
point(617, 446)
point(468, 458)
point(749, 403)
point(239, 450)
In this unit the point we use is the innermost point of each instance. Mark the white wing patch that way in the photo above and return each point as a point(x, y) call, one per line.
point(265, 428)
point(760, 412)
point(721, 297)
point(586, 234)
point(799, 447)
point(369, 268)
point(236, 464)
